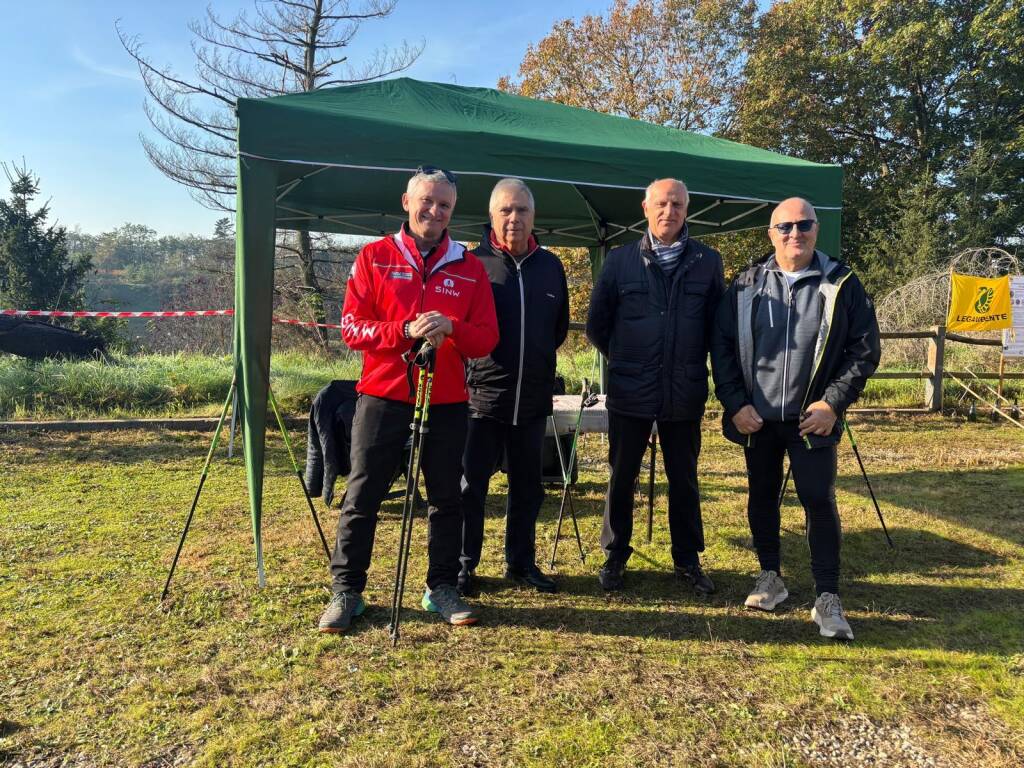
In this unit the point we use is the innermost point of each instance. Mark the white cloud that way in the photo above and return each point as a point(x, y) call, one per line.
point(83, 59)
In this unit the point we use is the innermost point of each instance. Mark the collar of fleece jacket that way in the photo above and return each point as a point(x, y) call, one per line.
point(492, 241)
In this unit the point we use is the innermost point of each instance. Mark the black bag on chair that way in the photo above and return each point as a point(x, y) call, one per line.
point(329, 441)
point(330, 437)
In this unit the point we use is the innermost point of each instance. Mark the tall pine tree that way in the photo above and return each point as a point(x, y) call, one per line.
point(36, 271)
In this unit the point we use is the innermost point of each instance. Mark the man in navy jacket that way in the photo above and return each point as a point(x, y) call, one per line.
point(650, 314)
point(511, 388)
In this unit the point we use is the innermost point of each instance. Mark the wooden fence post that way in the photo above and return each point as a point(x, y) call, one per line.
point(936, 355)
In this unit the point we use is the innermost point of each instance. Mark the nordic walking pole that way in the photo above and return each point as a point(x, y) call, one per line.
point(785, 484)
point(199, 490)
point(566, 477)
point(585, 400)
point(298, 474)
point(424, 361)
point(410, 489)
point(576, 529)
point(650, 490)
point(864, 472)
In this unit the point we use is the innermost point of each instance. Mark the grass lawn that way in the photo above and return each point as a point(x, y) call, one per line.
point(94, 672)
point(134, 386)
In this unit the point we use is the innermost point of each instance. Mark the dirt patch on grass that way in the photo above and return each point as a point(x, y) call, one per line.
point(958, 735)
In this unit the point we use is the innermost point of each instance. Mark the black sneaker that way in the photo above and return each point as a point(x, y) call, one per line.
point(466, 584)
point(611, 575)
point(531, 577)
point(696, 578)
point(338, 615)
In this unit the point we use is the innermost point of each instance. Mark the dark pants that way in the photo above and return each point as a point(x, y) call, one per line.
point(814, 474)
point(680, 447)
point(379, 433)
point(486, 441)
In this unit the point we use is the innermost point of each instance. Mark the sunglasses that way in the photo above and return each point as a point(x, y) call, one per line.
point(785, 227)
point(431, 169)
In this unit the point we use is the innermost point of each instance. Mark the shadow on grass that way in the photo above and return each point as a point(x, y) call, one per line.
point(157, 447)
point(865, 552)
point(987, 500)
point(9, 728)
point(892, 617)
point(899, 616)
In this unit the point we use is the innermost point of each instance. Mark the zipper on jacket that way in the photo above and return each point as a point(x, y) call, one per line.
point(522, 341)
point(817, 363)
point(785, 353)
point(423, 285)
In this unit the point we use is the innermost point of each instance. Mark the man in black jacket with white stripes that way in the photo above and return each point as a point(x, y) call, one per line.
point(510, 390)
point(650, 315)
point(794, 343)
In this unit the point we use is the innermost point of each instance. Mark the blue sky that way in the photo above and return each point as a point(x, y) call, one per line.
point(73, 99)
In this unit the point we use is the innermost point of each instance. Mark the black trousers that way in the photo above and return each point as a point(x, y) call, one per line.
point(680, 446)
point(814, 474)
point(379, 432)
point(486, 441)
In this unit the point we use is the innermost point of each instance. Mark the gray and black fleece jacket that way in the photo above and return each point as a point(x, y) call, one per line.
point(514, 383)
point(780, 347)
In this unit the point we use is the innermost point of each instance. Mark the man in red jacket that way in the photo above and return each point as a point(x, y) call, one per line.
point(415, 284)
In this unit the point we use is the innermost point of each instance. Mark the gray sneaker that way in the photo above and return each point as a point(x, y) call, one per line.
point(828, 615)
point(338, 615)
point(445, 600)
point(769, 590)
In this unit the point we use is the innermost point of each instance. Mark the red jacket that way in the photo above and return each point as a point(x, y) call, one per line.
point(387, 287)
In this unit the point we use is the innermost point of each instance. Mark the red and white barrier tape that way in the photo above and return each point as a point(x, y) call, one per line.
point(83, 313)
point(169, 313)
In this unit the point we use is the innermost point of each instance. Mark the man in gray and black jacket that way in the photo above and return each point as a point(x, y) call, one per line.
point(650, 314)
point(794, 342)
point(510, 390)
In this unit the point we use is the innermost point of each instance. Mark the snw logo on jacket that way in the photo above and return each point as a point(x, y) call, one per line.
point(389, 285)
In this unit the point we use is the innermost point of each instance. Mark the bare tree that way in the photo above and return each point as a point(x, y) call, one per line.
point(282, 46)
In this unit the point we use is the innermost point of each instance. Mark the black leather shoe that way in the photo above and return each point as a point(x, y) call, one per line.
point(611, 575)
point(531, 577)
point(696, 578)
point(466, 585)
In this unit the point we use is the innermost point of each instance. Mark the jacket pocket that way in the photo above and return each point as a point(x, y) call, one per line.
point(694, 297)
point(633, 300)
point(633, 387)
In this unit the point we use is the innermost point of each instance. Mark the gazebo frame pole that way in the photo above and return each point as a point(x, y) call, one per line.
point(199, 489)
point(298, 472)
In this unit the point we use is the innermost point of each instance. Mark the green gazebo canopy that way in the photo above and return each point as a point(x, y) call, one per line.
point(337, 160)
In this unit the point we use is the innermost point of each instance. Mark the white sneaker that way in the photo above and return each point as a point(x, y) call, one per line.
point(828, 615)
point(769, 590)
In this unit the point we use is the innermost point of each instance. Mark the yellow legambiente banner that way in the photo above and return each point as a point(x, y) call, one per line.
point(978, 303)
